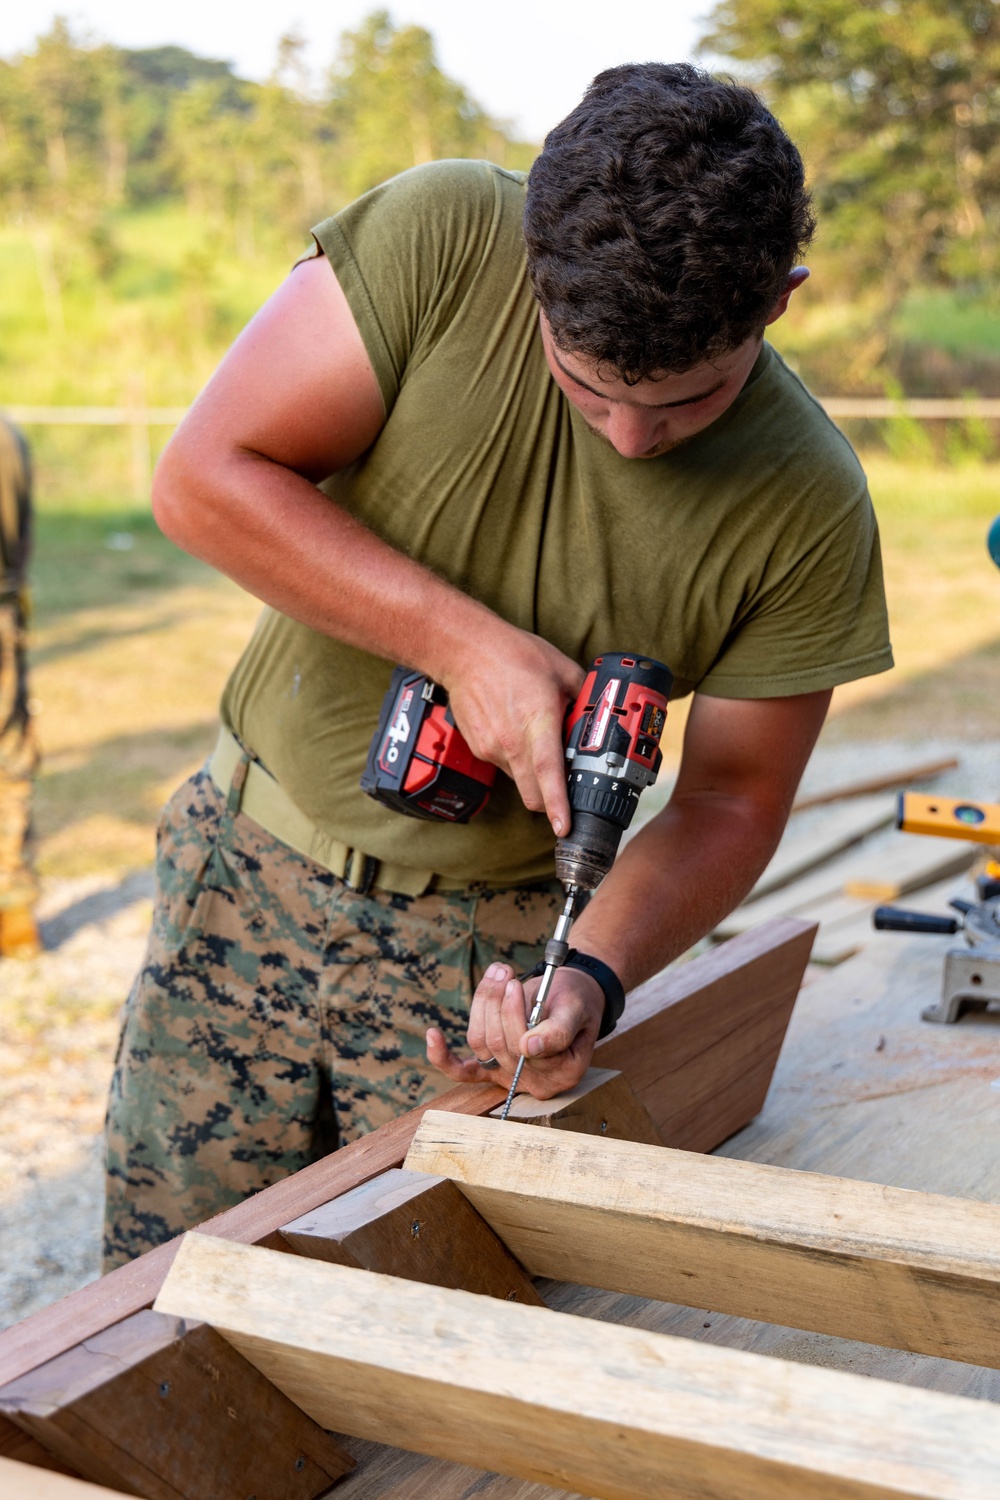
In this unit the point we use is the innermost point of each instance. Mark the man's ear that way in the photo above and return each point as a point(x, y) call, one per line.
point(796, 276)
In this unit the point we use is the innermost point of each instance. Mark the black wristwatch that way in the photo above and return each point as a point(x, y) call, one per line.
point(614, 993)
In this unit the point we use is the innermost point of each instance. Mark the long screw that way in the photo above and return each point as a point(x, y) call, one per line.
point(555, 956)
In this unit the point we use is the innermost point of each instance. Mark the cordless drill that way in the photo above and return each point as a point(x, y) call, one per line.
point(612, 754)
point(419, 764)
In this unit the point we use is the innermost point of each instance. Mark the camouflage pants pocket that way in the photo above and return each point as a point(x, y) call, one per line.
point(395, 965)
point(194, 868)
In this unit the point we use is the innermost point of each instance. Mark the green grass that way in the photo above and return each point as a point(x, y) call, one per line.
point(950, 321)
point(944, 608)
point(94, 554)
point(132, 641)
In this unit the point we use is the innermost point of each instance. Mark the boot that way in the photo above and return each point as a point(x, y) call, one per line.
point(18, 933)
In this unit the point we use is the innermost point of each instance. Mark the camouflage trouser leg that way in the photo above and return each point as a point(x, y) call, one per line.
point(18, 761)
point(268, 989)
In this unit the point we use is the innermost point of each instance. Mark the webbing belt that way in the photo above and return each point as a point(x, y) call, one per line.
point(268, 804)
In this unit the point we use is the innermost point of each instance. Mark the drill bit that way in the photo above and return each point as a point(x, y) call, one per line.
point(556, 950)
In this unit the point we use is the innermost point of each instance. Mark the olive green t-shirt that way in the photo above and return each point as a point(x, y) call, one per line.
point(747, 559)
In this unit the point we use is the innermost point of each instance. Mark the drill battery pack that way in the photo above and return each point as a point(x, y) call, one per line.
point(418, 762)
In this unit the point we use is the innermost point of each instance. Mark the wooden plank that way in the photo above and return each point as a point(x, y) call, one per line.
point(408, 1224)
point(904, 776)
point(907, 1270)
point(931, 1125)
point(798, 853)
point(912, 861)
point(895, 866)
point(698, 1045)
point(19, 1481)
point(845, 935)
point(161, 1408)
point(615, 1412)
point(603, 1103)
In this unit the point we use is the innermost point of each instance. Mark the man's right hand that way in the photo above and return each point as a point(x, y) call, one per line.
point(509, 695)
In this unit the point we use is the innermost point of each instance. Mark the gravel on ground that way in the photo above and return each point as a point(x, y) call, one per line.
point(59, 1018)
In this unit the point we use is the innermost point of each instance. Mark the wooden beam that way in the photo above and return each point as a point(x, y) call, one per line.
point(603, 1103)
point(904, 862)
point(904, 776)
point(408, 1224)
point(587, 1406)
point(798, 852)
point(914, 1271)
point(698, 1045)
point(159, 1408)
point(20, 1481)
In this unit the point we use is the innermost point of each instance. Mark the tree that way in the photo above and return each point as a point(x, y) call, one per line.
point(393, 108)
point(896, 104)
point(88, 129)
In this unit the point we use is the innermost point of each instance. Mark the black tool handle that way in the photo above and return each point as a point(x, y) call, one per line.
point(894, 919)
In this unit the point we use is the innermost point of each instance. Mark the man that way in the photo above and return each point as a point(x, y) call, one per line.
point(18, 748)
point(488, 434)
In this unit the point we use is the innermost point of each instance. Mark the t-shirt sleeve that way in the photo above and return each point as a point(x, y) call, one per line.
point(406, 255)
point(821, 622)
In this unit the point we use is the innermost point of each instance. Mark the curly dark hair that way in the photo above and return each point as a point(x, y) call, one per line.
point(662, 219)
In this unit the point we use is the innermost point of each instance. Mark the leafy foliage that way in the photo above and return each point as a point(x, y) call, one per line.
point(896, 104)
point(86, 129)
point(150, 200)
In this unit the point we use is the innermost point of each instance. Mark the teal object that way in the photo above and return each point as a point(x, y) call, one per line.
point(993, 541)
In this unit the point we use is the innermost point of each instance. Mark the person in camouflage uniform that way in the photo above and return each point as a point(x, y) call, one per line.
point(18, 746)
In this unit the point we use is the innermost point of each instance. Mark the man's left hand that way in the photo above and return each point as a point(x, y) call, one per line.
point(558, 1050)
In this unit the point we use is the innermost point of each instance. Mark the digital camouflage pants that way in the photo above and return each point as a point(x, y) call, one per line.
point(279, 1013)
point(18, 761)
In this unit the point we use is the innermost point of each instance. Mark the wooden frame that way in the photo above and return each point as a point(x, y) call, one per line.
point(616, 1413)
point(697, 1047)
point(165, 1407)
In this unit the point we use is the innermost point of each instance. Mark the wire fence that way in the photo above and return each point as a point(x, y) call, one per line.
point(139, 419)
point(945, 408)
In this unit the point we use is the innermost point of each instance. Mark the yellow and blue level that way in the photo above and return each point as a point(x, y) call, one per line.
point(949, 817)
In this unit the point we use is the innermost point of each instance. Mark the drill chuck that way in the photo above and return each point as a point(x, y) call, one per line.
point(585, 857)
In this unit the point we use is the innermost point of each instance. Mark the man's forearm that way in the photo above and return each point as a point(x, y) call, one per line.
point(676, 879)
